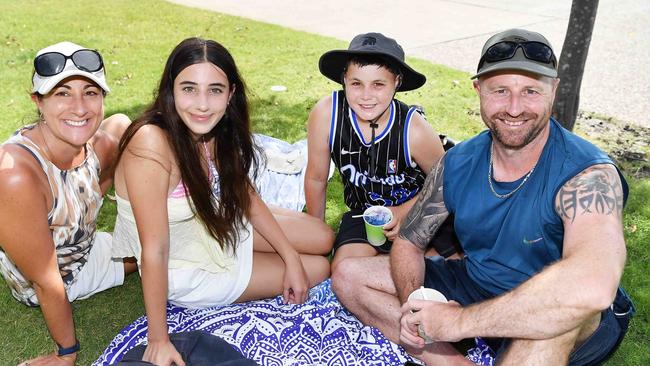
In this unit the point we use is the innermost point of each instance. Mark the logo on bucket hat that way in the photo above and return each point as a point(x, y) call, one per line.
point(332, 63)
point(517, 49)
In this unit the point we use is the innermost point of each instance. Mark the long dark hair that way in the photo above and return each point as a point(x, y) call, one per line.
point(234, 152)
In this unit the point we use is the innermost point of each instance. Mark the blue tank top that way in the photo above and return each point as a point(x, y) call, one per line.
point(507, 241)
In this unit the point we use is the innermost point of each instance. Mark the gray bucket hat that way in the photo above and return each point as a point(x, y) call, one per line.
point(332, 63)
point(517, 49)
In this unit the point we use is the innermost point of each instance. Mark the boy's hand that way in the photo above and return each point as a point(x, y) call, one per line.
point(392, 228)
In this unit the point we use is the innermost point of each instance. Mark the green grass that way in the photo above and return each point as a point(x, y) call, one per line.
point(135, 39)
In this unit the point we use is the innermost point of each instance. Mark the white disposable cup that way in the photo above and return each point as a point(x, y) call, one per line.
point(429, 294)
point(424, 293)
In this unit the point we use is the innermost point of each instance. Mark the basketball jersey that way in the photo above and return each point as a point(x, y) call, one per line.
point(396, 178)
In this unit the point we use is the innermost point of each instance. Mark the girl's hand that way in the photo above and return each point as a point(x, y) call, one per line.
point(295, 283)
point(162, 353)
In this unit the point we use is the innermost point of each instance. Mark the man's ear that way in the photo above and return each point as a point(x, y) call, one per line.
point(556, 83)
point(477, 86)
point(398, 81)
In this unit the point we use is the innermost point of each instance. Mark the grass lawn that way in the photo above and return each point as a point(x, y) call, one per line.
point(135, 38)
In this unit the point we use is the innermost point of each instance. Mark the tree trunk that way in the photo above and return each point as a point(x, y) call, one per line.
point(572, 61)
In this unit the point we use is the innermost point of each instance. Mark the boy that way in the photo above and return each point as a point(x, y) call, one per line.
point(382, 148)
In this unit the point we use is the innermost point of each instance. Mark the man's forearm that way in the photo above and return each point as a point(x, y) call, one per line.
point(551, 303)
point(407, 267)
point(425, 216)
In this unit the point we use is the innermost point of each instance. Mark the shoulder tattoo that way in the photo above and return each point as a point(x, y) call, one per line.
point(429, 211)
point(596, 190)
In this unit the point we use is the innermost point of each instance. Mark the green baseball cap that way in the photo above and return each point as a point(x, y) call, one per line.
point(517, 49)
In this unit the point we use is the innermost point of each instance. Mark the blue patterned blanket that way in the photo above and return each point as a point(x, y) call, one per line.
point(318, 332)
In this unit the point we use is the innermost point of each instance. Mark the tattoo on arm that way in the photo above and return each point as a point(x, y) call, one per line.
point(429, 211)
point(596, 190)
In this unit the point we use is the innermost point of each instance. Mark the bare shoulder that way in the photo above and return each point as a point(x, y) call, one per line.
point(318, 124)
point(421, 132)
point(24, 191)
point(424, 143)
point(150, 142)
point(321, 111)
point(596, 191)
point(324, 102)
point(21, 176)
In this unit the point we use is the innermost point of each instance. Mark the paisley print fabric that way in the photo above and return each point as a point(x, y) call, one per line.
point(318, 332)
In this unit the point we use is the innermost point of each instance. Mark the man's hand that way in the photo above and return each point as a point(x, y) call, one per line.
point(440, 321)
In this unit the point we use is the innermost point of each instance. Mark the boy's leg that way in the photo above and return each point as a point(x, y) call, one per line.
point(351, 240)
point(352, 250)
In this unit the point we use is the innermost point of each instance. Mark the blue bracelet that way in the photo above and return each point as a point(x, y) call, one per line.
point(67, 351)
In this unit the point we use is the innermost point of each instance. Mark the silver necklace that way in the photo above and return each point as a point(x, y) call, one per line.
point(503, 196)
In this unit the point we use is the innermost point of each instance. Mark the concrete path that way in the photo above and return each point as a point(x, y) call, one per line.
point(617, 75)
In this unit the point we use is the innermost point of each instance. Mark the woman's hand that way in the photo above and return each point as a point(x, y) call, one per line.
point(295, 283)
point(52, 360)
point(162, 353)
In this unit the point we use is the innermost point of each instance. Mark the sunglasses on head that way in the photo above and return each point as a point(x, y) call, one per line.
point(53, 63)
point(535, 51)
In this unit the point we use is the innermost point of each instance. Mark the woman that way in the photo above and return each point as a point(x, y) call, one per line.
point(53, 175)
point(187, 209)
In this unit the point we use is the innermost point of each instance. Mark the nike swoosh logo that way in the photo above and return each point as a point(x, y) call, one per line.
point(345, 152)
point(532, 241)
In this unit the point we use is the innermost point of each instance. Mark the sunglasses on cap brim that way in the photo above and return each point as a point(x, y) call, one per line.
point(535, 51)
point(53, 63)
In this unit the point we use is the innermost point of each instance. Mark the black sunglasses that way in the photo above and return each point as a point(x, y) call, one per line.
point(53, 63)
point(535, 51)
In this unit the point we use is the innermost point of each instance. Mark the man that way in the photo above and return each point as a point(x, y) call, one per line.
point(381, 147)
point(538, 212)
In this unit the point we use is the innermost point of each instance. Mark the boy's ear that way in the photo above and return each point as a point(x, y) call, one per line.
point(399, 81)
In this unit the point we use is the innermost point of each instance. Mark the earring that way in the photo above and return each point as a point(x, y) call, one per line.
point(40, 116)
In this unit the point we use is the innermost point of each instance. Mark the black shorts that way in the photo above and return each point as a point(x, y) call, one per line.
point(353, 230)
point(451, 279)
